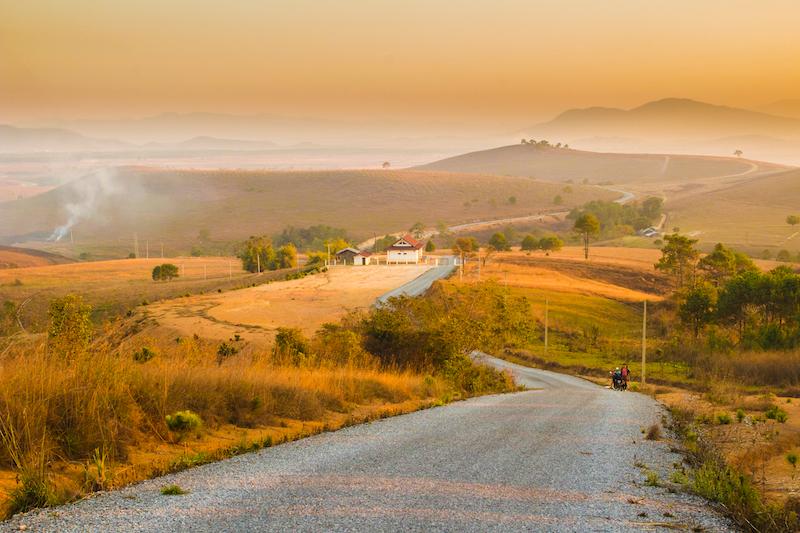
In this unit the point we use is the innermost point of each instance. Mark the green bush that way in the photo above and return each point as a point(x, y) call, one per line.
point(173, 490)
point(777, 414)
point(144, 355)
point(723, 419)
point(183, 421)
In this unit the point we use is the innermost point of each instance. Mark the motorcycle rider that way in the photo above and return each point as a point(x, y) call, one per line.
point(626, 375)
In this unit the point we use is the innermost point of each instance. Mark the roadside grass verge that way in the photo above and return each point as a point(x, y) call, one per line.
point(735, 491)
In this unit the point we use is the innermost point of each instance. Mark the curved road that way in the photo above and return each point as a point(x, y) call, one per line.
point(420, 284)
point(559, 457)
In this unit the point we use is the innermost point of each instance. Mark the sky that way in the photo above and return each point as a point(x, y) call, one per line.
point(512, 61)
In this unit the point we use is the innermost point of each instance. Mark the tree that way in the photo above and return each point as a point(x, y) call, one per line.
point(679, 258)
point(720, 265)
point(651, 208)
point(529, 243)
point(499, 242)
point(697, 309)
point(488, 251)
point(512, 200)
point(417, 230)
point(587, 226)
point(738, 153)
point(558, 200)
point(429, 246)
point(285, 257)
point(784, 256)
point(793, 220)
point(551, 244)
point(165, 272)
point(257, 254)
point(465, 247)
point(70, 328)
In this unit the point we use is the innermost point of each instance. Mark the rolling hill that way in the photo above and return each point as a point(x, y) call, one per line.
point(567, 164)
point(750, 214)
point(173, 206)
point(18, 140)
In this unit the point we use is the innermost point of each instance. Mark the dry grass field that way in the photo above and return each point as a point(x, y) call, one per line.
point(174, 206)
point(12, 257)
point(114, 287)
point(256, 312)
point(750, 214)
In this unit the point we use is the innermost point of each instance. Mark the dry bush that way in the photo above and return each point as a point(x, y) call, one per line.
point(653, 432)
point(780, 369)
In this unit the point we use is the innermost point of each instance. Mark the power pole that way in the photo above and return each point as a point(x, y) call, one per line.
point(136, 245)
point(162, 250)
point(230, 270)
point(644, 343)
point(329, 253)
point(258, 260)
point(546, 323)
point(147, 249)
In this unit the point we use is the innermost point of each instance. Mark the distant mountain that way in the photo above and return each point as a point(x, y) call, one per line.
point(670, 118)
point(786, 108)
point(17, 140)
point(206, 143)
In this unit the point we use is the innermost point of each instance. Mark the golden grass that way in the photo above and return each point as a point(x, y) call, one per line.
point(105, 413)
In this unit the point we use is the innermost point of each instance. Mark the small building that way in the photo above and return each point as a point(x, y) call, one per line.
point(405, 250)
point(353, 256)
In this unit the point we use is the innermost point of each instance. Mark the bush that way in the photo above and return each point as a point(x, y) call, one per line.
point(165, 272)
point(183, 421)
point(723, 419)
point(777, 414)
point(173, 490)
point(653, 432)
point(144, 355)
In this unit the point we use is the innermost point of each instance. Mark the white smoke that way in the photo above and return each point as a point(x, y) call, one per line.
point(90, 191)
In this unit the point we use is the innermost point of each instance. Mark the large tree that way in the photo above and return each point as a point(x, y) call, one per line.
point(499, 241)
point(587, 226)
point(679, 258)
point(698, 307)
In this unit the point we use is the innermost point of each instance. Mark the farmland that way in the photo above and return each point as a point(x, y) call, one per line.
point(256, 312)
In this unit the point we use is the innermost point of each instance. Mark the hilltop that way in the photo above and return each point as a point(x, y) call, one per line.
point(561, 164)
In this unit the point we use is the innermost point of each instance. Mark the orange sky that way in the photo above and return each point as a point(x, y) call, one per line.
point(432, 59)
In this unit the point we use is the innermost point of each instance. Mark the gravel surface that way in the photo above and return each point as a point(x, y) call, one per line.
point(420, 284)
point(559, 457)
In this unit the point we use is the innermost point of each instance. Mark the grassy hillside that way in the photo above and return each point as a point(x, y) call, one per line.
point(12, 257)
point(563, 164)
point(174, 206)
point(750, 215)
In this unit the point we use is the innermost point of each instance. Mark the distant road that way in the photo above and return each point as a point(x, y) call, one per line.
point(562, 456)
point(419, 285)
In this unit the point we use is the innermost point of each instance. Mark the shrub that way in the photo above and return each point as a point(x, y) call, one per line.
point(173, 490)
point(70, 328)
point(777, 414)
point(653, 432)
point(143, 355)
point(183, 421)
point(165, 272)
point(723, 419)
point(224, 351)
point(740, 415)
point(651, 479)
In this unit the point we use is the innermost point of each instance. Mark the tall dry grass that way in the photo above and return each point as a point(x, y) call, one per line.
point(93, 408)
point(773, 368)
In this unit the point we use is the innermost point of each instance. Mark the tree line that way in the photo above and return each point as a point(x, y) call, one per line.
point(727, 296)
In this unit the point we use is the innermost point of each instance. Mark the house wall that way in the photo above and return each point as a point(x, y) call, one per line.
point(403, 256)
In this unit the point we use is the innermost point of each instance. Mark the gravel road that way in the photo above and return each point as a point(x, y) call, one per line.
point(420, 284)
point(559, 457)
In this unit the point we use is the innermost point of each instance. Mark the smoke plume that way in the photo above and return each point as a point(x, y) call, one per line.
point(90, 193)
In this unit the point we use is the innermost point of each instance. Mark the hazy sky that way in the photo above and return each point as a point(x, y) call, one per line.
point(512, 60)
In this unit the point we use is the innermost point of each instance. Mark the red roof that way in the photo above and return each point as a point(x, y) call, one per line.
point(415, 244)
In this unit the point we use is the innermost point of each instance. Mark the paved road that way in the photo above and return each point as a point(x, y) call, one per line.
point(420, 284)
point(560, 457)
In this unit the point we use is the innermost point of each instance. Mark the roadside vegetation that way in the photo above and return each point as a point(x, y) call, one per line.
point(83, 409)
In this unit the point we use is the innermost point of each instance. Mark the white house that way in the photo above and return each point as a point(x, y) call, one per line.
point(405, 250)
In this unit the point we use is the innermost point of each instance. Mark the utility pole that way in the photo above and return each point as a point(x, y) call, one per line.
point(230, 270)
point(162, 250)
point(71, 238)
point(644, 343)
point(205, 272)
point(258, 261)
point(147, 249)
point(136, 245)
point(329, 253)
point(546, 322)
